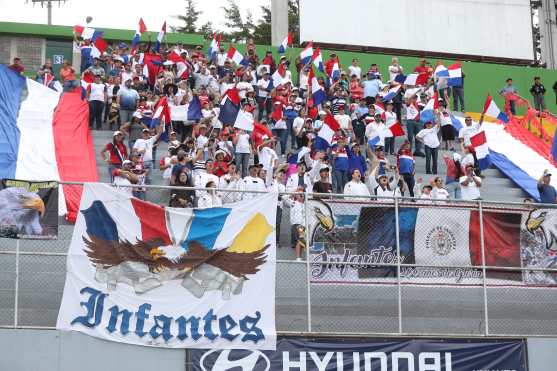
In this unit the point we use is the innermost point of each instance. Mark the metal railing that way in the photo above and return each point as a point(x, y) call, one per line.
point(361, 288)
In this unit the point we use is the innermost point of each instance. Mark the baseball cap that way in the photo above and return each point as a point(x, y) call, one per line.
point(126, 162)
point(145, 130)
point(324, 168)
point(117, 132)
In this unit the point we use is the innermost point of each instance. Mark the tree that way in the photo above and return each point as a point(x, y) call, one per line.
point(233, 21)
point(262, 30)
point(207, 30)
point(248, 28)
point(190, 19)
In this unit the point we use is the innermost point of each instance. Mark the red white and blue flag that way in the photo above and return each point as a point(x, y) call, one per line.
point(491, 109)
point(479, 143)
point(455, 75)
point(428, 113)
point(141, 29)
point(87, 33)
point(306, 54)
point(286, 43)
point(213, 47)
point(416, 79)
point(329, 128)
point(335, 71)
point(279, 75)
point(160, 37)
point(237, 57)
point(318, 94)
point(231, 112)
point(391, 93)
point(182, 69)
point(318, 60)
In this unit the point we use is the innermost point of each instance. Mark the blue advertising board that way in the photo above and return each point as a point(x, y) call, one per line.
point(347, 354)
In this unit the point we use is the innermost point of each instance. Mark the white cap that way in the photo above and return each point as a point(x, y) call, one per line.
point(137, 114)
point(456, 157)
point(322, 113)
point(299, 100)
point(117, 132)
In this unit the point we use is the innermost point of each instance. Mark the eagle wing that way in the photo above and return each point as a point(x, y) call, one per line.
point(110, 253)
point(239, 264)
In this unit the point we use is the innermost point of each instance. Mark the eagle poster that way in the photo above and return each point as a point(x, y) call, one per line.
point(28, 210)
point(142, 274)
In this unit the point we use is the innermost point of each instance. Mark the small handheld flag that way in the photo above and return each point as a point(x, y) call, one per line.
point(160, 37)
point(285, 44)
point(491, 109)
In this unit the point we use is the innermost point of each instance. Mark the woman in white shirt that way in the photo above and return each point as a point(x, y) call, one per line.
point(428, 135)
point(209, 198)
point(390, 120)
point(243, 151)
point(394, 69)
point(438, 192)
point(355, 187)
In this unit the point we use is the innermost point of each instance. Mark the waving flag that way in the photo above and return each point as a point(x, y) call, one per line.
point(231, 113)
point(160, 37)
point(182, 70)
point(456, 123)
point(455, 75)
point(329, 128)
point(141, 29)
point(317, 92)
point(286, 43)
point(428, 113)
point(278, 75)
point(260, 134)
point(396, 129)
point(318, 60)
point(491, 109)
point(237, 57)
point(416, 79)
point(213, 47)
point(479, 143)
point(391, 93)
point(152, 63)
point(162, 113)
point(307, 53)
point(335, 71)
point(98, 47)
point(87, 33)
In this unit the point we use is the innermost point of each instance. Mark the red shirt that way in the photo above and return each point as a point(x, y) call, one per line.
point(421, 69)
point(113, 149)
point(17, 68)
point(221, 168)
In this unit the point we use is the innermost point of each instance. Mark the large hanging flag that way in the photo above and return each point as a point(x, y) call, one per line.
point(307, 53)
point(491, 109)
point(318, 94)
point(160, 37)
point(318, 60)
point(479, 143)
point(237, 57)
point(143, 274)
point(213, 47)
point(286, 43)
point(141, 29)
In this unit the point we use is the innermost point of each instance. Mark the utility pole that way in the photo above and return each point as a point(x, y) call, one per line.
point(48, 4)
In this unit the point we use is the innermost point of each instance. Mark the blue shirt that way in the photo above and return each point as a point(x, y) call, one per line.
point(371, 88)
point(128, 98)
point(547, 194)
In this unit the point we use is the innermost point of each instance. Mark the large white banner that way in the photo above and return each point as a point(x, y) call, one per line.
point(184, 278)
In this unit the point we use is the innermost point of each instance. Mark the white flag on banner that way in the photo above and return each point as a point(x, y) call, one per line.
point(183, 278)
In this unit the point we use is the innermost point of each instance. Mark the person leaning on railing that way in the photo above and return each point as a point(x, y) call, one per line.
point(470, 184)
point(548, 195)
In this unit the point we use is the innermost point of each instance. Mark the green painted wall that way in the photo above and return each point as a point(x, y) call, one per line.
point(481, 78)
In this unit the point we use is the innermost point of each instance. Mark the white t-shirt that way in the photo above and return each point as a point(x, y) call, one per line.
point(201, 141)
point(467, 131)
point(263, 84)
point(355, 70)
point(429, 137)
point(304, 80)
point(243, 87)
point(353, 188)
point(126, 76)
point(412, 112)
point(297, 124)
point(97, 92)
point(439, 193)
point(267, 157)
point(344, 121)
point(394, 71)
point(242, 145)
point(221, 58)
point(471, 191)
point(445, 119)
point(145, 147)
point(249, 184)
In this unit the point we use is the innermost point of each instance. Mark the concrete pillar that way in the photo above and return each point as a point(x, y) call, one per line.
point(548, 33)
point(279, 21)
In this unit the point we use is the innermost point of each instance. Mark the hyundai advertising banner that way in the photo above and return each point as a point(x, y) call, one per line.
point(304, 354)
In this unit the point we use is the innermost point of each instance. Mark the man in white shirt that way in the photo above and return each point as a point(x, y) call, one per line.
point(268, 158)
point(204, 176)
point(124, 177)
point(344, 121)
point(230, 180)
point(252, 183)
point(429, 136)
point(470, 184)
point(354, 69)
point(468, 130)
point(375, 128)
point(300, 178)
point(263, 92)
point(144, 147)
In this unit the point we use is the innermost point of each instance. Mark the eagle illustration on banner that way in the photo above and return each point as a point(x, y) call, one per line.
point(174, 244)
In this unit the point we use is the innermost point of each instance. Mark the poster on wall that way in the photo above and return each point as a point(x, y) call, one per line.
point(369, 354)
point(437, 246)
point(142, 274)
point(28, 210)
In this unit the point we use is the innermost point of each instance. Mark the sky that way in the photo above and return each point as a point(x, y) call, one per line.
point(122, 13)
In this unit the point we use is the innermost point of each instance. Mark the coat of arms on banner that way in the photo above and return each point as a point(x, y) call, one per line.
point(188, 267)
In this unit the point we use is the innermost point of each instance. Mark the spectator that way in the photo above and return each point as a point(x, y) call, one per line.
point(124, 178)
point(538, 92)
point(394, 69)
point(406, 166)
point(17, 66)
point(356, 160)
point(548, 195)
point(140, 172)
point(421, 67)
point(300, 179)
point(509, 88)
point(182, 197)
point(454, 172)
point(380, 185)
point(447, 128)
point(458, 95)
point(340, 157)
point(45, 73)
point(390, 120)
point(323, 185)
point(438, 192)
point(203, 174)
point(209, 197)
point(355, 187)
point(429, 136)
point(243, 151)
point(117, 153)
point(127, 99)
point(470, 184)
point(252, 183)
point(413, 125)
point(96, 69)
point(468, 130)
point(134, 129)
point(96, 95)
point(371, 86)
point(144, 147)
point(67, 76)
point(355, 69)
point(345, 122)
point(297, 220)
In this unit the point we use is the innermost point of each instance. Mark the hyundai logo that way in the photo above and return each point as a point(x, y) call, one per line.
point(247, 360)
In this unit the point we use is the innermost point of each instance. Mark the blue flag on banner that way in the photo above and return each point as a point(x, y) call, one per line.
point(554, 146)
point(194, 109)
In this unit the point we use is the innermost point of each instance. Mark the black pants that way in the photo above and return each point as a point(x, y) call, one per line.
point(430, 160)
point(96, 114)
point(390, 145)
point(410, 182)
point(279, 219)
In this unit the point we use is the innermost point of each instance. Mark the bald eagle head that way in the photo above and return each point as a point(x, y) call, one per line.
point(545, 221)
point(22, 210)
point(320, 216)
